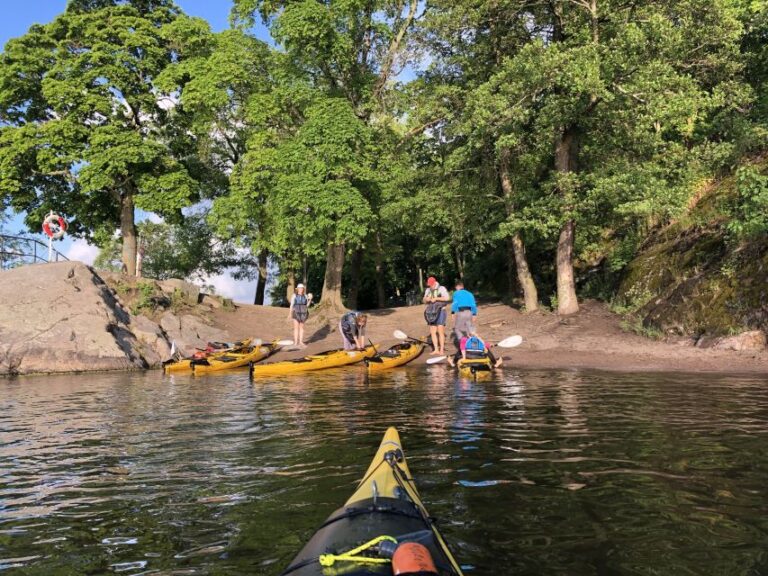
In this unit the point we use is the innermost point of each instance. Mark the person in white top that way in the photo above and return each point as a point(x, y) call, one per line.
point(299, 312)
point(436, 298)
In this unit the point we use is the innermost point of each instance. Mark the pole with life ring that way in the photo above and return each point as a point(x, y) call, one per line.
point(54, 226)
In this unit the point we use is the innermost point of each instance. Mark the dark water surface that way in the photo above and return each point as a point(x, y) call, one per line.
point(531, 473)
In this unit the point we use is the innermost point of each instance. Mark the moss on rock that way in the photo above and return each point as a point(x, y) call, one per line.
point(692, 278)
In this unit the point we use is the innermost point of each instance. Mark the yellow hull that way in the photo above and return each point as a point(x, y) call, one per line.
point(235, 360)
point(185, 365)
point(396, 356)
point(381, 480)
point(474, 367)
point(330, 359)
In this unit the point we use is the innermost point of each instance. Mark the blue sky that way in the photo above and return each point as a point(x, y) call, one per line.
point(16, 19)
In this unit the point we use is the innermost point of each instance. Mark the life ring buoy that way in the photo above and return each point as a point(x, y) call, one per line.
point(54, 226)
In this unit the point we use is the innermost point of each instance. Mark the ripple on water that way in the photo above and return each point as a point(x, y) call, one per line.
point(531, 473)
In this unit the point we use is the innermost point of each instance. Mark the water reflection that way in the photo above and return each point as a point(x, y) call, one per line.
point(531, 473)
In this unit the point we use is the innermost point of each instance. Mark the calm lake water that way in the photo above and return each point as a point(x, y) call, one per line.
point(530, 473)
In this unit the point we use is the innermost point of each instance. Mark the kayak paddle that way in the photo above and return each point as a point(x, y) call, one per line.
point(400, 335)
point(375, 358)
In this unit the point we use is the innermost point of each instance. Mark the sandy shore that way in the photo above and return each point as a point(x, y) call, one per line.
point(591, 339)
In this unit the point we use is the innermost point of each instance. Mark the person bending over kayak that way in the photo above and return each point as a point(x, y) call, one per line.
point(473, 346)
point(352, 329)
point(463, 311)
point(299, 312)
point(436, 298)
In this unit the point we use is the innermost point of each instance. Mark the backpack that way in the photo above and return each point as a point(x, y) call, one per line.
point(432, 312)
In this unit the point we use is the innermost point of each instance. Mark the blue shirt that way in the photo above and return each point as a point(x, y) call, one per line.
point(463, 299)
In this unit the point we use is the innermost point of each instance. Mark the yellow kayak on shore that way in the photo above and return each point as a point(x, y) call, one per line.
point(371, 534)
point(397, 355)
point(185, 364)
point(329, 359)
point(232, 360)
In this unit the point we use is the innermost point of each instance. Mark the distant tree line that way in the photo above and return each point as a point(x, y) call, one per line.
point(526, 146)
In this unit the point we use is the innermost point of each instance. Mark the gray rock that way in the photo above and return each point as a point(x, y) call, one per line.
point(155, 348)
point(190, 332)
point(211, 300)
point(190, 291)
point(754, 340)
point(61, 317)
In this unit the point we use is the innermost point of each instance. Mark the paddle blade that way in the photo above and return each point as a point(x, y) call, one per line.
point(436, 359)
point(510, 342)
point(400, 335)
point(284, 342)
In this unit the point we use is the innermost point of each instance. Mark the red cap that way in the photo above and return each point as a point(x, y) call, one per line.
point(431, 281)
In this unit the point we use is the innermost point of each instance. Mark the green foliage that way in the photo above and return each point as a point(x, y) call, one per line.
point(750, 210)
point(188, 250)
point(84, 128)
point(524, 116)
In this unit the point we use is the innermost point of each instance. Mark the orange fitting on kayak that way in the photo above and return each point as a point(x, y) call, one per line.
point(413, 559)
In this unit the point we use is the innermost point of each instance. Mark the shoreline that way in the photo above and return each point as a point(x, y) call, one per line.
point(592, 339)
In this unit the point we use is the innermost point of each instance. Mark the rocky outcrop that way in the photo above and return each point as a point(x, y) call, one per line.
point(693, 277)
point(62, 317)
point(189, 292)
point(751, 341)
point(190, 332)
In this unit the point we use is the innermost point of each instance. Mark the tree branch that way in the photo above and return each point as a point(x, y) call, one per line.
point(414, 131)
point(394, 47)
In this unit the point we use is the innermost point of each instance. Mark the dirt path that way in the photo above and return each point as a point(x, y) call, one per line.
point(591, 339)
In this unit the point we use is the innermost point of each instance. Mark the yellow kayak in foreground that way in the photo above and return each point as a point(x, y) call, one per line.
point(329, 359)
point(385, 513)
point(185, 364)
point(396, 356)
point(232, 360)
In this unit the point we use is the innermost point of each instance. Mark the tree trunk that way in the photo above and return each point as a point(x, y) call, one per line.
point(459, 261)
point(290, 287)
point(524, 276)
point(128, 231)
point(355, 267)
point(332, 283)
point(261, 286)
point(567, 302)
point(381, 297)
point(421, 282)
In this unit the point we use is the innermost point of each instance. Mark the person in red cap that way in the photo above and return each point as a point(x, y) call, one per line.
point(436, 298)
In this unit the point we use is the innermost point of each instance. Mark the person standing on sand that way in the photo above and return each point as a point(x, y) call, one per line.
point(352, 328)
point(463, 311)
point(299, 312)
point(436, 298)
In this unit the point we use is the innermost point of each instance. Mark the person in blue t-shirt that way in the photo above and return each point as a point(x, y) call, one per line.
point(463, 311)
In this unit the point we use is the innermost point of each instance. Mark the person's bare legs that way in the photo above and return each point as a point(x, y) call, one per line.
point(435, 343)
point(296, 325)
point(441, 338)
point(301, 334)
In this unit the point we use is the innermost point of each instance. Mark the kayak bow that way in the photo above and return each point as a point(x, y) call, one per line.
point(383, 513)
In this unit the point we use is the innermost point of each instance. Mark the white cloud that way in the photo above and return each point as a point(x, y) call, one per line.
point(239, 290)
point(82, 251)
